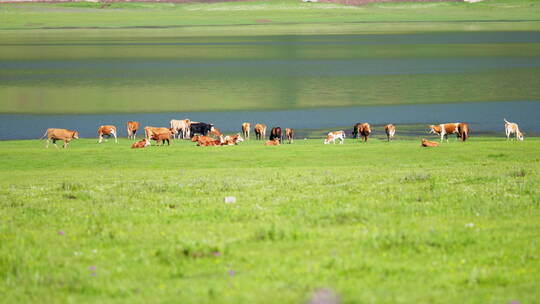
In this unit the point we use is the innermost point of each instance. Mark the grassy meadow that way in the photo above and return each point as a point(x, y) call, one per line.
point(376, 222)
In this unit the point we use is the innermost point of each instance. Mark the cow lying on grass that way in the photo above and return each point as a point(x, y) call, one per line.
point(231, 140)
point(427, 143)
point(60, 134)
point(141, 144)
point(273, 142)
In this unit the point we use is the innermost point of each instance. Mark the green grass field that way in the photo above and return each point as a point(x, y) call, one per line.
point(275, 17)
point(377, 222)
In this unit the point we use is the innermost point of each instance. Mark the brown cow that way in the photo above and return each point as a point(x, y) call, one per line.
point(361, 129)
point(245, 129)
point(289, 134)
point(149, 131)
point(460, 129)
point(274, 142)
point(390, 131)
point(201, 140)
point(60, 134)
point(106, 130)
point(162, 136)
point(260, 131)
point(132, 127)
point(427, 143)
point(143, 143)
point(276, 133)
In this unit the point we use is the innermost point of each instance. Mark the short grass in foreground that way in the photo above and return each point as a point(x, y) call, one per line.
point(376, 222)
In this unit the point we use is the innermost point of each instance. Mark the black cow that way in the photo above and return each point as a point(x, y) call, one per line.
point(200, 128)
point(276, 133)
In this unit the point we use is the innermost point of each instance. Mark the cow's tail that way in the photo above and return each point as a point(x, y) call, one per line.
point(506, 121)
point(46, 131)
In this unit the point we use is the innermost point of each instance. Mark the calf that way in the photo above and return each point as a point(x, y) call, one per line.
point(390, 130)
point(143, 143)
point(512, 128)
point(132, 127)
point(60, 134)
point(427, 143)
point(164, 136)
point(273, 142)
point(245, 130)
point(362, 130)
point(107, 130)
point(332, 136)
point(289, 134)
point(260, 131)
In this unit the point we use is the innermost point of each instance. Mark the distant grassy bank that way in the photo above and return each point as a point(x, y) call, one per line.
point(377, 222)
point(275, 17)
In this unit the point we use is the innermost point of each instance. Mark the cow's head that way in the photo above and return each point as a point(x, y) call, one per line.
point(195, 138)
point(239, 138)
point(520, 136)
point(75, 134)
point(173, 130)
point(328, 139)
point(433, 129)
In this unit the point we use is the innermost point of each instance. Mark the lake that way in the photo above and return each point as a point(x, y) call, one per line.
point(294, 81)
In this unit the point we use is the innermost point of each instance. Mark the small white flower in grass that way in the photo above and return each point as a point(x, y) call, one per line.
point(469, 225)
point(229, 199)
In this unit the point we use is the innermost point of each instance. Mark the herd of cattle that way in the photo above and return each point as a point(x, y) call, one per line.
point(205, 134)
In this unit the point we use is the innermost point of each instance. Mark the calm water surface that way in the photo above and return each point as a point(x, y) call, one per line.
point(145, 74)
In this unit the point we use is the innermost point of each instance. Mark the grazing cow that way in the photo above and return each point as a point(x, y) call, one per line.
point(107, 130)
point(390, 131)
point(245, 130)
point(260, 131)
point(273, 142)
point(512, 128)
point(181, 127)
point(332, 136)
point(162, 136)
point(289, 134)
point(231, 140)
point(132, 127)
point(200, 128)
point(143, 143)
point(60, 134)
point(427, 143)
point(149, 131)
point(276, 133)
point(460, 129)
point(361, 129)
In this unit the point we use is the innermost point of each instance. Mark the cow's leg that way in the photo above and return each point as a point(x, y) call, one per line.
point(54, 142)
point(47, 145)
point(65, 143)
point(100, 138)
point(115, 139)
